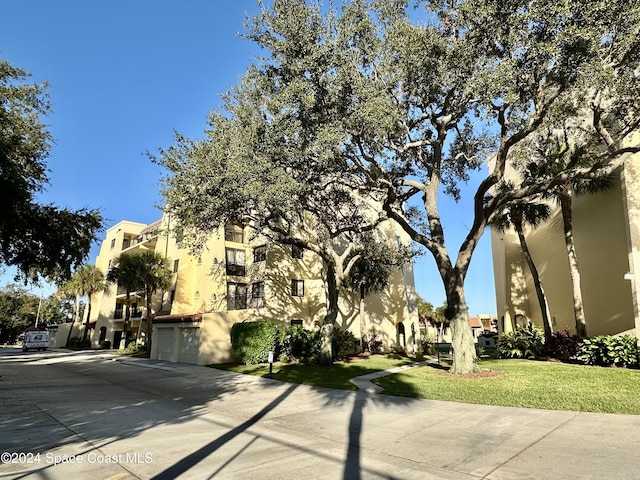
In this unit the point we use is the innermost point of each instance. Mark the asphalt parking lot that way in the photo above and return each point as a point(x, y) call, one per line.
point(69, 415)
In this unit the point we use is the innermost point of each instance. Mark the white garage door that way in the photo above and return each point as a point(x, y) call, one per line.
point(188, 345)
point(165, 343)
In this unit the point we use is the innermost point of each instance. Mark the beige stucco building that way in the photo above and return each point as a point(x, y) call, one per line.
point(240, 278)
point(606, 229)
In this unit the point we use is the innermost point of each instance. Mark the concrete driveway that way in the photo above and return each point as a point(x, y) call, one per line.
point(76, 415)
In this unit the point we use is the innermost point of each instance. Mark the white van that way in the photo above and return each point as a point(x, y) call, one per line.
point(35, 340)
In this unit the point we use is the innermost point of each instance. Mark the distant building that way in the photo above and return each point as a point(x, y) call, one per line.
point(239, 278)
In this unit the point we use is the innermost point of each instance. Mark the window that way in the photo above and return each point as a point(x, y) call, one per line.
point(234, 233)
point(118, 313)
point(113, 242)
point(126, 243)
point(176, 264)
point(235, 262)
point(260, 254)
point(257, 295)
point(296, 252)
point(135, 312)
point(179, 235)
point(236, 296)
point(297, 288)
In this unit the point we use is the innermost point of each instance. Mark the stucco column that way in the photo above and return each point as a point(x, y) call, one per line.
point(630, 179)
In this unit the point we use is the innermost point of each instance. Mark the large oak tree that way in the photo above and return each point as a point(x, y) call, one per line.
point(406, 103)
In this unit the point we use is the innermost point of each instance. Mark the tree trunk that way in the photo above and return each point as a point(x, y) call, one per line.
point(86, 325)
point(363, 327)
point(125, 324)
point(578, 308)
point(464, 352)
point(76, 311)
point(542, 299)
point(326, 351)
point(149, 323)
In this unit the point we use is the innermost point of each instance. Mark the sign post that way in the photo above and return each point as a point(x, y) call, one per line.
point(270, 360)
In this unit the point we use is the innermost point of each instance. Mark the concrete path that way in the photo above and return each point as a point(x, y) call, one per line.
point(365, 384)
point(156, 420)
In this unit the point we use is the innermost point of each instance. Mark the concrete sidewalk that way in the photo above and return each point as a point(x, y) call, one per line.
point(326, 433)
point(198, 422)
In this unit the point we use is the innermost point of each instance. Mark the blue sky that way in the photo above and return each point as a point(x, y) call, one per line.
point(124, 75)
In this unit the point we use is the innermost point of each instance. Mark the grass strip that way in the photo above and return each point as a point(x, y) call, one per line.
point(525, 383)
point(330, 376)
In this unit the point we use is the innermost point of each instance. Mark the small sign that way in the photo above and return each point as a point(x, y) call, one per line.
point(270, 357)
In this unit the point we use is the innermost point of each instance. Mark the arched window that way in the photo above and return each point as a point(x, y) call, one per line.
point(401, 335)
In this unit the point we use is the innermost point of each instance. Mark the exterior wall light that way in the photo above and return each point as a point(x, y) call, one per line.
point(628, 276)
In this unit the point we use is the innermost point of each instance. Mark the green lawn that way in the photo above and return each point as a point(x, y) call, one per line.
point(334, 376)
point(526, 383)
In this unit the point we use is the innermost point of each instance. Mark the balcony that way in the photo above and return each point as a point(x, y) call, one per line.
point(133, 313)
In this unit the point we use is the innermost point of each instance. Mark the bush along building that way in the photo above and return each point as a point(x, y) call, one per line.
point(240, 277)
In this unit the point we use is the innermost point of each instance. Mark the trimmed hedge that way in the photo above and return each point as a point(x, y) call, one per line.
point(252, 341)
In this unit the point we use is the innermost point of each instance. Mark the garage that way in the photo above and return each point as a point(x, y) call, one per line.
point(188, 345)
point(176, 338)
point(164, 344)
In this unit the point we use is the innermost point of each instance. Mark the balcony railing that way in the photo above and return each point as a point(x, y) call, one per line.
point(133, 313)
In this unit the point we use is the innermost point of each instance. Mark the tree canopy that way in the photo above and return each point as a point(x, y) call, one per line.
point(403, 104)
point(39, 240)
point(20, 309)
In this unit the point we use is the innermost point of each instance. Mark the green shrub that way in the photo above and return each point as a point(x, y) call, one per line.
point(344, 344)
point(428, 345)
point(133, 348)
point(563, 345)
point(298, 344)
point(375, 344)
point(398, 350)
point(525, 342)
point(252, 341)
point(607, 351)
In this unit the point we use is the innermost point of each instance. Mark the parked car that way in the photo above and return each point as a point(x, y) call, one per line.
point(35, 341)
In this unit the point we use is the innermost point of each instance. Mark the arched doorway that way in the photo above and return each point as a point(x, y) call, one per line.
point(401, 335)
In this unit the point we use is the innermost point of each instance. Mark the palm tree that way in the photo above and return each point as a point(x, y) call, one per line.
point(371, 272)
point(518, 215)
point(154, 274)
point(125, 272)
point(91, 281)
point(71, 289)
point(563, 156)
